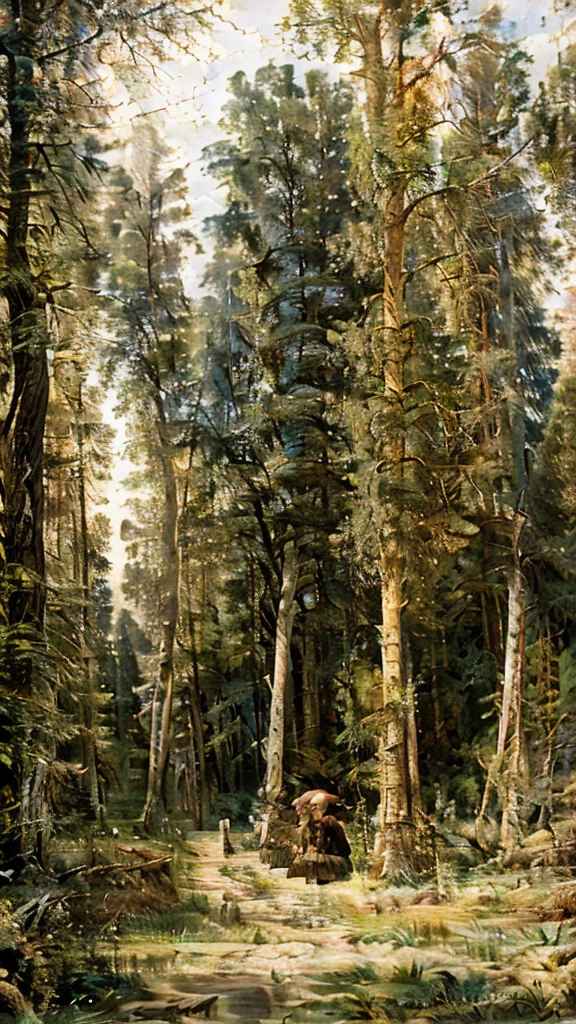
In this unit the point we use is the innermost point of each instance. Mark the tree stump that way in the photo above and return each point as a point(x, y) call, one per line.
point(227, 847)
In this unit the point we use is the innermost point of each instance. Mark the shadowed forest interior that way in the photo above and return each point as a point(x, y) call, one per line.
point(343, 558)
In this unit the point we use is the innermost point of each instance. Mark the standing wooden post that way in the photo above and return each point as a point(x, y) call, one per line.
point(227, 847)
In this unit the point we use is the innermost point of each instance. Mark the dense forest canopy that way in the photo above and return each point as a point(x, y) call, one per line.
point(350, 529)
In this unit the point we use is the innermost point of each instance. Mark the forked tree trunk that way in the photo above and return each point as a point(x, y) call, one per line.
point(284, 622)
point(160, 727)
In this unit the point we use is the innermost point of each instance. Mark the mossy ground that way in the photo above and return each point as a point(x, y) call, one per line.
point(493, 947)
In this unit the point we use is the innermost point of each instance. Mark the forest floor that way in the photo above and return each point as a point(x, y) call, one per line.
point(495, 948)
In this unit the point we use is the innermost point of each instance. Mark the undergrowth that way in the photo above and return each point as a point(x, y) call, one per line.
point(182, 919)
point(256, 881)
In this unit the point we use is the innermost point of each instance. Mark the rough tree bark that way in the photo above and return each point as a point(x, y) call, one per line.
point(393, 849)
point(284, 622)
point(23, 426)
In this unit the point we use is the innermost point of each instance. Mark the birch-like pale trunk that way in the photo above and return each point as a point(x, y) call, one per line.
point(511, 716)
point(504, 772)
point(394, 780)
point(160, 727)
point(284, 623)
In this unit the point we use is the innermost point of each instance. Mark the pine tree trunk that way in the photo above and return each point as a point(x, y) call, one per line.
point(395, 839)
point(22, 430)
point(284, 622)
point(394, 845)
point(22, 448)
point(160, 728)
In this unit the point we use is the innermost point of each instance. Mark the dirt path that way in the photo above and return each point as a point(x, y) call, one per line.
point(269, 946)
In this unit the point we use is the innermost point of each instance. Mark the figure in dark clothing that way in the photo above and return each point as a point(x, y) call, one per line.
point(325, 853)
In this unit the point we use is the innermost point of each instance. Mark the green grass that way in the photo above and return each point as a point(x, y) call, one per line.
point(259, 883)
point(181, 920)
point(416, 935)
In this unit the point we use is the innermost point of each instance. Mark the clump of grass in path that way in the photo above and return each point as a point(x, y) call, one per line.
point(258, 883)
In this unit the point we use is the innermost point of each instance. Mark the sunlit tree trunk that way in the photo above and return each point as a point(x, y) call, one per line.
point(510, 725)
point(284, 622)
point(394, 846)
point(505, 771)
point(396, 833)
point(161, 723)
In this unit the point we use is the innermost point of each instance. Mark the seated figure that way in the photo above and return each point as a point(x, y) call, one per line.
point(324, 853)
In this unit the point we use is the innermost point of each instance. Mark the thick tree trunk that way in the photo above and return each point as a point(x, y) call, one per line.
point(160, 728)
point(395, 839)
point(284, 622)
point(22, 450)
point(23, 426)
point(393, 847)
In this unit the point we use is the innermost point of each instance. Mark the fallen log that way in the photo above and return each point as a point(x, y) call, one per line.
point(167, 1009)
point(105, 869)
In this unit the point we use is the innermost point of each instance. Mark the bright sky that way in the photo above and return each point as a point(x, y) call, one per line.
point(194, 94)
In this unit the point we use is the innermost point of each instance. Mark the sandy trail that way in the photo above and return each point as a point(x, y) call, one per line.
point(268, 943)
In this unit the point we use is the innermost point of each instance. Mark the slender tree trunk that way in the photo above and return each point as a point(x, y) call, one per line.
point(254, 668)
point(284, 622)
point(511, 716)
point(90, 777)
point(161, 723)
point(506, 768)
point(395, 839)
point(196, 710)
point(412, 736)
point(193, 795)
point(310, 694)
